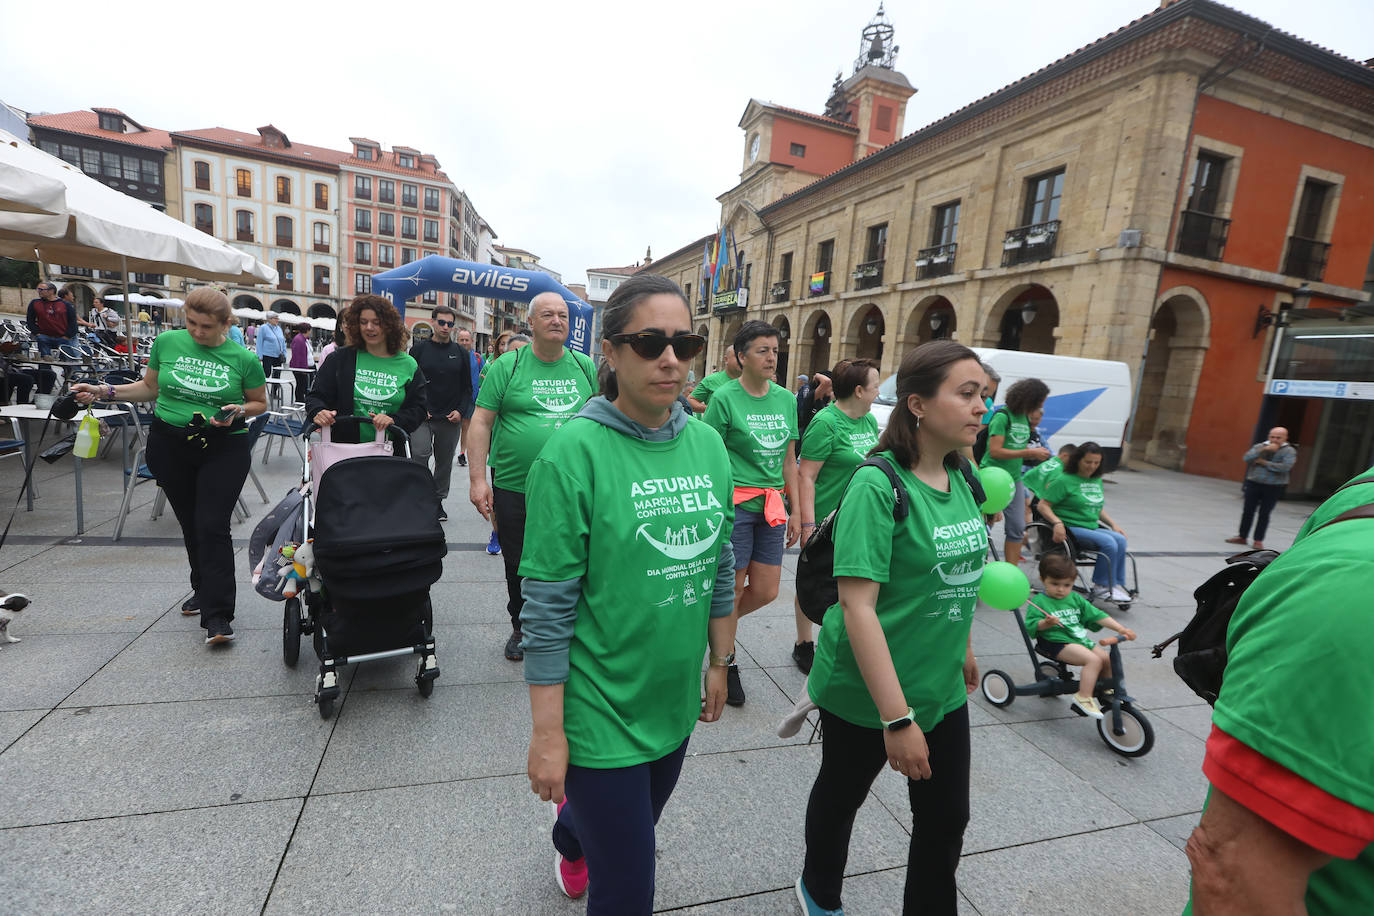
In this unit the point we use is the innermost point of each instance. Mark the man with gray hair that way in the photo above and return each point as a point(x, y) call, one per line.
point(448, 375)
point(271, 344)
point(528, 393)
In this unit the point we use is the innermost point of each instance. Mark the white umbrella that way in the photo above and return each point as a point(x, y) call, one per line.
point(101, 228)
point(290, 318)
point(325, 324)
point(24, 186)
point(252, 314)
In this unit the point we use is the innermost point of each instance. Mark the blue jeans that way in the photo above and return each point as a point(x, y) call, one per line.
point(1111, 554)
point(47, 343)
point(609, 819)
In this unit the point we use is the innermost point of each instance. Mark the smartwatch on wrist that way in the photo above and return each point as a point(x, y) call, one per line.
point(722, 661)
point(901, 722)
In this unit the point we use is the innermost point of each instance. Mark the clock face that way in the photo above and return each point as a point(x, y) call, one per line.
point(754, 148)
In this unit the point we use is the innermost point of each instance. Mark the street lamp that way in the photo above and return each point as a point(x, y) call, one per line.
point(937, 321)
point(871, 326)
point(1028, 312)
point(822, 329)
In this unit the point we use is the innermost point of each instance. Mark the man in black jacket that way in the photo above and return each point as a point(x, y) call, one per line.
point(448, 377)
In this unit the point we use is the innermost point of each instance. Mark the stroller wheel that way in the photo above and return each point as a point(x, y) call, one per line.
point(326, 707)
point(426, 686)
point(998, 688)
point(291, 632)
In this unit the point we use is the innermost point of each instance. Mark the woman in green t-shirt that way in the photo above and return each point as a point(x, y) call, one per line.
point(627, 578)
point(836, 441)
point(757, 421)
point(894, 665)
point(372, 376)
point(1073, 503)
point(1009, 435)
point(198, 445)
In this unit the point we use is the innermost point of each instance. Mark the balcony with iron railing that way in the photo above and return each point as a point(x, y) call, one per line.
point(149, 279)
point(823, 287)
point(937, 261)
point(1030, 243)
point(781, 291)
point(1202, 235)
point(75, 271)
point(1306, 258)
point(868, 274)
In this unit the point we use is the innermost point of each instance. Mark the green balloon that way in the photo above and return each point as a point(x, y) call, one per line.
point(998, 487)
point(1003, 586)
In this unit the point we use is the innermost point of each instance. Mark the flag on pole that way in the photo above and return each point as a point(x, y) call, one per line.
point(722, 260)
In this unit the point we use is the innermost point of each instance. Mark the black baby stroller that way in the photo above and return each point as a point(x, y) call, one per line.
point(378, 547)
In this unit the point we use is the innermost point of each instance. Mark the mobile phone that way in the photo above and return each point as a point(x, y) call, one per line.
point(226, 414)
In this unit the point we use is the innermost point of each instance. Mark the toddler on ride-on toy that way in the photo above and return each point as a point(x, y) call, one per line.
point(1059, 622)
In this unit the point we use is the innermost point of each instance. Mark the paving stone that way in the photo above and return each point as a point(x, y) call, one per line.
point(139, 759)
point(1017, 794)
point(76, 607)
point(14, 724)
point(875, 894)
point(39, 672)
point(475, 846)
point(1166, 781)
point(1195, 720)
point(169, 666)
point(211, 860)
point(742, 803)
point(1124, 870)
point(110, 565)
point(1175, 829)
point(396, 737)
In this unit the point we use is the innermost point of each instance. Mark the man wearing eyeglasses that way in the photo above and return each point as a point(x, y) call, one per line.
point(448, 377)
point(527, 395)
point(51, 320)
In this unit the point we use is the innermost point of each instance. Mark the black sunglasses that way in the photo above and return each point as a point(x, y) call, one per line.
point(444, 324)
point(650, 344)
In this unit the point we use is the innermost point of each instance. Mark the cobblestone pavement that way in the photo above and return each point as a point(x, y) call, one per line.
point(145, 773)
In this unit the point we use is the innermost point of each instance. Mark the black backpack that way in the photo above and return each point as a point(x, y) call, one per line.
point(1201, 659)
point(817, 589)
point(980, 445)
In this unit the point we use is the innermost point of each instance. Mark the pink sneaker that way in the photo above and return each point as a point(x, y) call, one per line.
point(571, 874)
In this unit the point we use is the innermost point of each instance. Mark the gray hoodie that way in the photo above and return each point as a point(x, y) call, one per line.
point(550, 610)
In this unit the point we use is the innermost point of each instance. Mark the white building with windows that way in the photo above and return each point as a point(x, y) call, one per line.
point(602, 281)
point(275, 200)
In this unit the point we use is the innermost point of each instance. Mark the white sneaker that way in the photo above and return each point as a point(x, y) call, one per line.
point(1120, 595)
point(1098, 592)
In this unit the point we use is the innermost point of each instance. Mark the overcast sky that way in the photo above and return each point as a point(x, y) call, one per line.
point(582, 132)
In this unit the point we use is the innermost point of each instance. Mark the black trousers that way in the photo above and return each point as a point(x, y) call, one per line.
point(509, 508)
point(202, 481)
point(270, 363)
point(851, 758)
point(1262, 497)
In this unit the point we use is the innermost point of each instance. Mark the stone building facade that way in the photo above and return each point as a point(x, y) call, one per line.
point(1054, 216)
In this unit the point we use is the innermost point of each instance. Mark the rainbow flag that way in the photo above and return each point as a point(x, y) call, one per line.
point(818, 282)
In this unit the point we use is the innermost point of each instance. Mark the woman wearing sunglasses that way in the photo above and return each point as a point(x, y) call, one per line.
point(757, 419)
point(628, 577)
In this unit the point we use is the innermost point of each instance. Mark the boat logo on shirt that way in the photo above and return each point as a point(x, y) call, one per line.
point(555, 395)
point(375, 386)
point(686, 542)
point(965, 573)
point(200, 375)
point(1092, 494)
point(769, 430)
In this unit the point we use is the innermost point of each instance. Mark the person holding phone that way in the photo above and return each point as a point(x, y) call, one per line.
point(204, 386)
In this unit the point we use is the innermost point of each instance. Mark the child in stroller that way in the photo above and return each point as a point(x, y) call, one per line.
point(1059, 623)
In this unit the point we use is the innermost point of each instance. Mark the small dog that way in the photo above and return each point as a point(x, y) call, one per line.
point(10, 606)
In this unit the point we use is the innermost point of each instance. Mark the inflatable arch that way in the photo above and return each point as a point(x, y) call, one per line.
point(490, 281)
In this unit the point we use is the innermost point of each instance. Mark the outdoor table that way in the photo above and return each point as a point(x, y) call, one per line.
point(26, 414)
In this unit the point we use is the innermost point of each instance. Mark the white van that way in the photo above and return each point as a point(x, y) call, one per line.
point(1090, 399)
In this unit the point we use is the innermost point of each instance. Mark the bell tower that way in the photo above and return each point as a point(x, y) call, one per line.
point(874, 97)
